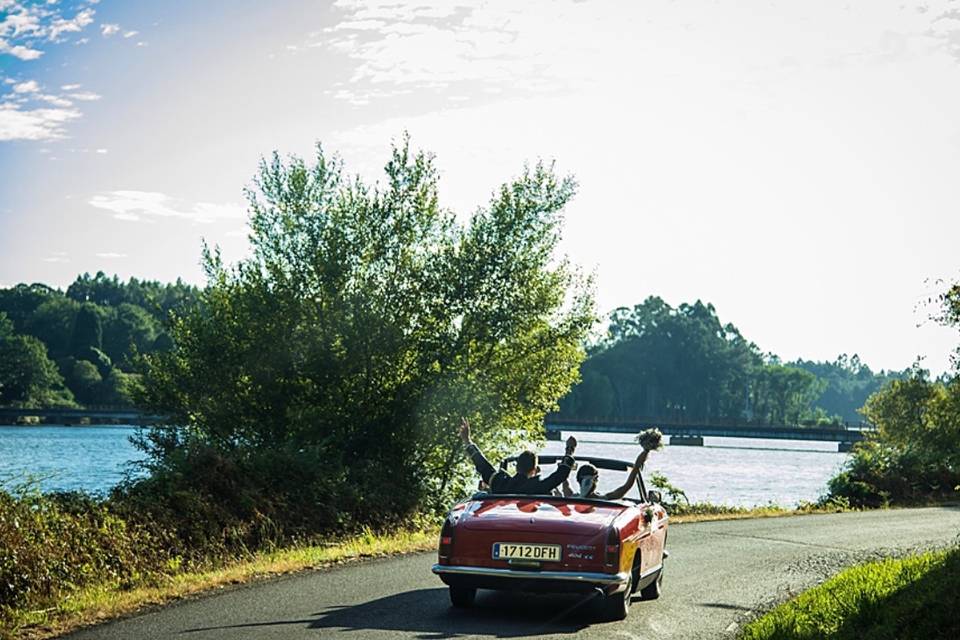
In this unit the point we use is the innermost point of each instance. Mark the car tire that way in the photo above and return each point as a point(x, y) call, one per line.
point(617, 606)
point(462, 597)
point(653, 590)
point(635, 573)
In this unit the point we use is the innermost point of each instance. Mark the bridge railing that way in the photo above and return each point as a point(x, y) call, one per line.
point(680, 422)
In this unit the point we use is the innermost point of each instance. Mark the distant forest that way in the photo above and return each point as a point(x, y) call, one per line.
point(79, 347)
point(660, 362)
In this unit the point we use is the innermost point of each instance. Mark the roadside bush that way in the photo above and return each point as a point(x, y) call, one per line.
point(219, 505)
point(915, 455)
point(51, 545)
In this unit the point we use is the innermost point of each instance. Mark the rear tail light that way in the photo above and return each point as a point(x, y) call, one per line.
point(613, 548)
point(446, 541)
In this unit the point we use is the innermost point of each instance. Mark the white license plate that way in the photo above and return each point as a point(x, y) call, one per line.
point(522, 551)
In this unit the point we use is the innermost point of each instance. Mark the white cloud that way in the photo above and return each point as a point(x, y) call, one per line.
point(56, 101)
point(101, 151)
point(59, 26)
point(34, 124)
point(86, 96)
point(70, 87)
point(27, 26)
point(107, 30)
point(138, 205)
point(130, 34)
point(19, 51)
point(30, 86)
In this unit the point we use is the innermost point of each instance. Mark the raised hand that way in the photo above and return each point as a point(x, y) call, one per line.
point(638, 463)
point(571, 445)
point(465, 430)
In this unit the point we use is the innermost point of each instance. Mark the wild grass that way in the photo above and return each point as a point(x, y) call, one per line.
point(107, 600)
point(913, 598)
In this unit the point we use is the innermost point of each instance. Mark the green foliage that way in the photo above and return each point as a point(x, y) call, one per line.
point(52, 545)
point(915, 454)
point(784, 395)
point(84, 379)
point(324, 376)
point(53, 323)
point(101, 321)
point(129, 330)
point(849, 382)
point(19, 303)
point(28, 378)
point(153, 297)
point(683, 364)
point(672, 494)
point(893, 599)
point(949, 315)
point(119, 388)
point(87, 332)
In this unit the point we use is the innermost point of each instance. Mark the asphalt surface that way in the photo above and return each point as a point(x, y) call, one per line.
point(719, 575)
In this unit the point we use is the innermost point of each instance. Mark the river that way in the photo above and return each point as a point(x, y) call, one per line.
point(88, 458)
point(725, 471)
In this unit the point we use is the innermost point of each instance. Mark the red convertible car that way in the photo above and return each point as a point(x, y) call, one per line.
point(612, 548)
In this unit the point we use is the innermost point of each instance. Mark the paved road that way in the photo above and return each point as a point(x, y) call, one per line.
point(718, 574)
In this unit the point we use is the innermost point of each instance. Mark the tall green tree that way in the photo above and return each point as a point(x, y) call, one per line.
point(28, 378)
point(658, 361)
point(128, 330)
point(87, 331)
point(783, 395)
point(366, 321)
point(53, 323)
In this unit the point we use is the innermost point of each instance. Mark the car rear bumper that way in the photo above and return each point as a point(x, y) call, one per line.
point(531, 580)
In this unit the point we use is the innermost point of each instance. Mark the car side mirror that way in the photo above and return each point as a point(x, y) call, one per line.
point(654, 496)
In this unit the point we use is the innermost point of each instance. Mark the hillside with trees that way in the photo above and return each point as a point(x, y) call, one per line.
point(80, 346)
point(683, 364)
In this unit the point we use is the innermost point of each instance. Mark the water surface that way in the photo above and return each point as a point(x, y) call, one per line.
point(80, 458)
point(732, 471)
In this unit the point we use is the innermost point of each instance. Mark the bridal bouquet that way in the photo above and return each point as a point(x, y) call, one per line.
point(651, 439)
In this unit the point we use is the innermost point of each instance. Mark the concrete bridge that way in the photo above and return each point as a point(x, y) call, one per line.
point(89, 415)
point(693, 433)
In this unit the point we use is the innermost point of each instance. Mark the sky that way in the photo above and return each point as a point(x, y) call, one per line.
point(793, 163)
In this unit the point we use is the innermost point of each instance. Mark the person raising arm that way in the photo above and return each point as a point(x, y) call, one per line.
point(588, 477)
point(527, 479)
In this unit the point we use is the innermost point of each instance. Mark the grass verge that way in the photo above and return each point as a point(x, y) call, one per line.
point(103, 602)
point(913, 598)
point(706, 512)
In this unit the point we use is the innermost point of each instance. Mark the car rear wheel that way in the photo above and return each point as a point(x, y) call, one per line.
point(652, 591)
point(462, 596)
point(617, 605)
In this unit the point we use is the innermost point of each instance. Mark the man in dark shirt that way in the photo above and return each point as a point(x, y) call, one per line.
point(527, 480)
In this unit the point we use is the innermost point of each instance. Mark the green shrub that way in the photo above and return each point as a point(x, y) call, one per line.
point(51, 545)
point(915, 455)
point(318, 384)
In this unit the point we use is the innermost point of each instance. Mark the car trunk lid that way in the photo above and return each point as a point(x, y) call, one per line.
point(539, 515)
